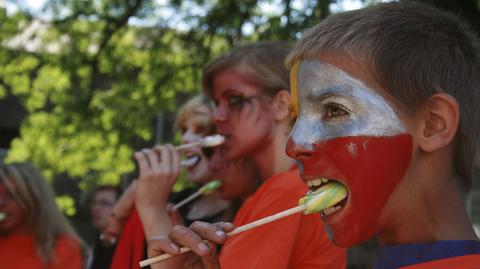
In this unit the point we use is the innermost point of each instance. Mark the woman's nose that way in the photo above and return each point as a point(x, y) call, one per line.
point(219, 114)
point(188, 137)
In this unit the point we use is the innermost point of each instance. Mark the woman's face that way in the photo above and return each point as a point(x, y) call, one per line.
point(347, 132)
point(196, 126)
point(243, 114)
point(15, 214)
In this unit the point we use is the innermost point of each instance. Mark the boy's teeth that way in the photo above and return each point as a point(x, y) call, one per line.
point(330, 210)
point(316, 182)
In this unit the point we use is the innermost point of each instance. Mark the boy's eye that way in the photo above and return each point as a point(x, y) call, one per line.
point(334, 111)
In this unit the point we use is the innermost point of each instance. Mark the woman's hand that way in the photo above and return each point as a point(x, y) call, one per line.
point(159, 168)
point(204, 253)
point(175, 215)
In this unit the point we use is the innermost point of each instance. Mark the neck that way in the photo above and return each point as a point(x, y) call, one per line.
point(22, 230)
point(272, 159)
point(433, 211)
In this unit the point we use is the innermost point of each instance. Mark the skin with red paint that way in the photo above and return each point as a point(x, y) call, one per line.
point(347, 132)
point(369, 170)
point(241, 109)
point(15, 220)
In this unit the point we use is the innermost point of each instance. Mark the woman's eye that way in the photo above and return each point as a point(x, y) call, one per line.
point(235, 100)
point(334, 111)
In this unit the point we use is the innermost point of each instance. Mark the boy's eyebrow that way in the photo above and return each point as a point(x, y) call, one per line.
point(324, 93)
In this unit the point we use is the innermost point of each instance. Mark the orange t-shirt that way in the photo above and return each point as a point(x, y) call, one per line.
point(20, 252)
point(297, 241)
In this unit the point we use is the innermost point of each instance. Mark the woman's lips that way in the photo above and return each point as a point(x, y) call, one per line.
point(191, 161)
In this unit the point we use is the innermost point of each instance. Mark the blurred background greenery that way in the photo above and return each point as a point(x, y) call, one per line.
point(85, 83)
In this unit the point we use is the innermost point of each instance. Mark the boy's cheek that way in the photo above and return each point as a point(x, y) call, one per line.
point(370, 168)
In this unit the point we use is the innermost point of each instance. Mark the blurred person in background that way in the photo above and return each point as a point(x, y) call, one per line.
point(102, 204)
point(154, 197)
point(33, 232)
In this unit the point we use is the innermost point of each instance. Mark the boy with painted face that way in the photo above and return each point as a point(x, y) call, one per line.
point(385, 104)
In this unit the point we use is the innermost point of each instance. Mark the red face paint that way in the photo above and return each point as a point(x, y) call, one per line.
point(370, 167)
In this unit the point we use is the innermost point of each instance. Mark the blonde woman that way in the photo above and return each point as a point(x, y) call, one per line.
point(33, 232)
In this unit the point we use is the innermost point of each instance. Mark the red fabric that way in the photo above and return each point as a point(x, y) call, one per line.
point(131, 245)
point(20, 252)
point(298, 241)
point(461, 262)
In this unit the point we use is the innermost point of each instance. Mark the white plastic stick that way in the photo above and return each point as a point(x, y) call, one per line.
point(187, 200)
point(238, 230)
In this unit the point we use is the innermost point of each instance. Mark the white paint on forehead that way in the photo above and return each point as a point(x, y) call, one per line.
point(320, 83)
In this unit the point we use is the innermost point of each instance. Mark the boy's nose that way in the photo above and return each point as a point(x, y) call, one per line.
point(296, 150)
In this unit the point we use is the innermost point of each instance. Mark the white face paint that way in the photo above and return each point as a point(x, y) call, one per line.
point(333, 104)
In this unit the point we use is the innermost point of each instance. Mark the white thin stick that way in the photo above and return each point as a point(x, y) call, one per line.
point(188, 145)
point(268, 219)
point(238, 230)
point(187, 200)
point(160, 258)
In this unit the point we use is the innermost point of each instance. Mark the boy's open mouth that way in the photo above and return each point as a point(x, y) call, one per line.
point(319, 185)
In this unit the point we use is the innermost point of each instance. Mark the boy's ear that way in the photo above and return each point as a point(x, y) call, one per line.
point(282, 105)
point(441, 116)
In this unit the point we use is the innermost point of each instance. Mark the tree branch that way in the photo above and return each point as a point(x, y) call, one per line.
point(112, 27)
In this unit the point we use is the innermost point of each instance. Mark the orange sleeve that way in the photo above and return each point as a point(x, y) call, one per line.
point(68, 254)
point(268, 246)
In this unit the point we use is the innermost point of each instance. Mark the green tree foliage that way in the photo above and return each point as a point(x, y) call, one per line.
point(100, 71)
point(94, 83)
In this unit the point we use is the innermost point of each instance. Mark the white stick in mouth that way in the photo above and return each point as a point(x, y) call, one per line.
point(205, 189)
point(2, 216)
point(331, 194)
point(205, 142)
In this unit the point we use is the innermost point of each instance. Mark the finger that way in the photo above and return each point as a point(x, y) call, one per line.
point(152, 158)
point(211, 232)
point(175, 160)
point(142, 161)
point(226, 226)
point(161, 244)
point(211, 261)
point(166, 157)
point(186, 237)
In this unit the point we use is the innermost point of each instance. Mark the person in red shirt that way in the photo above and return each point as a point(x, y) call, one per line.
point(33, 232)
point(250, 87)
point(386, 101)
